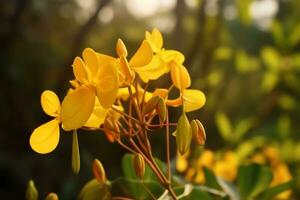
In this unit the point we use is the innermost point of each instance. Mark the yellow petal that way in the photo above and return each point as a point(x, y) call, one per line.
point(107, 85)
point(193, 100)
point(91, 61)
point(77, 107)
point(142, 56)
point(172, 55)
point(97, 117)
point(123, 93)
point(45, 138)
point(105, 59)
point(155, 69)
point(79, 70)
point(155, 39)
point(50, 103)
point(180, 76)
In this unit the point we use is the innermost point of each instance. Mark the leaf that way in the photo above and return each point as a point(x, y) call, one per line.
point(211, 179)
point(198, 193)
point(224, 125)
point(294, 37)
point(243, 127)
point(135, 188)
point(277, 34)
point(271, 58)
point(253, 179)
point(273, 191)
point(93, 190)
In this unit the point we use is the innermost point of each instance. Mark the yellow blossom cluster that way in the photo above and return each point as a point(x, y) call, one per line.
point(226, 166)
point(103, 83)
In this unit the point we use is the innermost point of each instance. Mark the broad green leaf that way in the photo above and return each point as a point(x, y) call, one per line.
point(253, 179)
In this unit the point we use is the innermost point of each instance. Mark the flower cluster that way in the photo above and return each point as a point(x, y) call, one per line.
point(103, 83)
point(226, 166)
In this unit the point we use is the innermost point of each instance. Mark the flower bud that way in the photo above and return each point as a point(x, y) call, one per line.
point(139, 165)
point(151, 104)
point(31, 191)
point(99, 171)
point(121, 48)
point(51, 196)
point(125, 69)
point(183, 134)
point(75, 154)
point(161, 110)
point(198, 132)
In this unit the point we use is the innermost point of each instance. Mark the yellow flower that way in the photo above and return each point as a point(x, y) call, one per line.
point(281, 174)
point(227, 166)
point(141, 58)
point(45, 138)
point(160, 64)
point(96, 76)
point(97, 117)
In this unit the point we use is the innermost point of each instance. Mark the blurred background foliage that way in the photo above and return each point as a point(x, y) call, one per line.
point(244, 54)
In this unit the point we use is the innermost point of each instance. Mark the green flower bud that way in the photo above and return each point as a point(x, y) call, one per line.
point(51, 196)
point(183, 134)
point(198, 131)
point(31, 191)
point(139, 165)
point(75, 153)
point(99, 172)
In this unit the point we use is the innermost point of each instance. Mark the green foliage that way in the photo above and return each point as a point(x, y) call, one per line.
point(253, 180)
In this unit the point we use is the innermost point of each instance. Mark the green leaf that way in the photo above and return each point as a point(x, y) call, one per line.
point(273, 191)
point(211, 179)
point(132, 180)
point(197, 193)
point(135, 188)
point(93, 190)
point(277, 33)
point(253, 179)
point(271, 58)
point(243, 127)
point(294, 37)
point(224, 125)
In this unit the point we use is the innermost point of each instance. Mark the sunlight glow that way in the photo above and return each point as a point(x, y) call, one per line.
point(263, 12)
